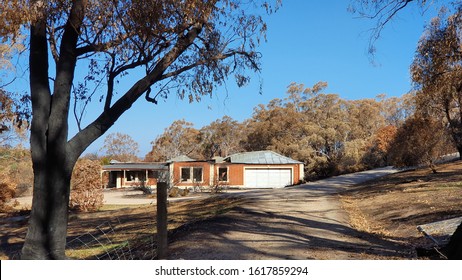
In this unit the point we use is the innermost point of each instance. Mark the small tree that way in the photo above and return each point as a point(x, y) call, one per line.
point(86, 189)
point(421, 140)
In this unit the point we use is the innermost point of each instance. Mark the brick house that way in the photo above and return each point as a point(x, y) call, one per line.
point(128, 174)
point(260, 169)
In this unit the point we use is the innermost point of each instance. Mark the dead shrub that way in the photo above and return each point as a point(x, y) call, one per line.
point(7, 192)
point(86, 189)
point(15, 172)
point(420, 141)
point(174, 192)
point(184, 192)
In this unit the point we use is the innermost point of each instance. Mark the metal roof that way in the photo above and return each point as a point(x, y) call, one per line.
point(183, 158)
point(135, 166)
point(218, 159)
point(261, 157)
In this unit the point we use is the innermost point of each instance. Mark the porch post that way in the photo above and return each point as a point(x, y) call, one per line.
point(122, 182)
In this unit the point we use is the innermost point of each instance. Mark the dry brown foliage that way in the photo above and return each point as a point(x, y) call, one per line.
point(86, 188)
point(436, 73)
point(7, 192)
point(16, 175)
point(420, 140)
point(121, 147)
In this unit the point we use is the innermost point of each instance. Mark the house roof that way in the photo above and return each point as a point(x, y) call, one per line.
point(118, 166)
point(260, 157)
point(218, 159)
point(182, 158)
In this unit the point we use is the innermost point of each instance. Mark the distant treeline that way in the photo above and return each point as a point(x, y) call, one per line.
point(329, 134)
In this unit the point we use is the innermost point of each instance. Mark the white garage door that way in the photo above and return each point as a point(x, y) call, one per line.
point(267, 177)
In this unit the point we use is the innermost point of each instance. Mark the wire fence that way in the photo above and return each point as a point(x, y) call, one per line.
point(106, 242)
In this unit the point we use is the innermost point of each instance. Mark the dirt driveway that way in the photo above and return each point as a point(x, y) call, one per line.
point(303, 222)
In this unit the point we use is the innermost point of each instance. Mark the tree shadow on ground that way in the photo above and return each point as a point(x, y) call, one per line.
point(285, 236)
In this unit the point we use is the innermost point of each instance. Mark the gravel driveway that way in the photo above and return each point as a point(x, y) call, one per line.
point(303, 222)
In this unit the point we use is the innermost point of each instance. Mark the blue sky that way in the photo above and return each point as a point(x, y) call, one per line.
point(307, 42)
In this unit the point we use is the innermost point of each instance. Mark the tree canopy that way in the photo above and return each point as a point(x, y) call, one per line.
point(437, 74)
point(121, 147)
point(385, 11)
point(180, 138)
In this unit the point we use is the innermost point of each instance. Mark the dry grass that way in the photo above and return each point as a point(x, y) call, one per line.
point(393, 206)
point(119, 228)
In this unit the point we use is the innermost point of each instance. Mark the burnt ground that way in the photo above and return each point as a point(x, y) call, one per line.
point(303, 222)
point(333, 219)
point(393, 206)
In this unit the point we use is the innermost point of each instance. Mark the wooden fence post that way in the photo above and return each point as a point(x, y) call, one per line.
point(161, 220)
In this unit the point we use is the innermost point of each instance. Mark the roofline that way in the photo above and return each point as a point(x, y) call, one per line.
point(228, 158)
point(135, 166)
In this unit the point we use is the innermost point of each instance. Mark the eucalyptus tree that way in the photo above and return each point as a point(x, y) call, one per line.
point(385, 11)
point(79, 51)
point(121, 147)
point(221, 138)
point(180, 138)
point(437, 74)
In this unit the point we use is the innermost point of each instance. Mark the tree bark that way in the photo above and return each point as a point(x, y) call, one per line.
point(46, 236)
point(52, 159)
point(454, 248)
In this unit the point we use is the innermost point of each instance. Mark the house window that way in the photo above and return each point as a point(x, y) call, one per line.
point(185, 174)
point(196, 173)
point(130, 176)
point(223, 174)
point(135, 176)
point(153, 174)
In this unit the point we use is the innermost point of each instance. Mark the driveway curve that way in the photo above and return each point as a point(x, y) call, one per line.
point(302, 222)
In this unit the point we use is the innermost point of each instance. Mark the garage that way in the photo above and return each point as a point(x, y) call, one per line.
point(267, 177)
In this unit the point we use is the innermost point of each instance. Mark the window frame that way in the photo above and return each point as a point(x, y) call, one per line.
point(135, 176)
point(192, 171)
point(220, 178)
point(183, 179)
point(194, 168)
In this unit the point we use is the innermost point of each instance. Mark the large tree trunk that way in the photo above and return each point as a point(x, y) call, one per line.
point(46, 237)
point(52, 157)
point(454, 248)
